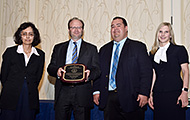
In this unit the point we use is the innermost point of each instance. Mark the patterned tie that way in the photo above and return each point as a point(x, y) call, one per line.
point(74, 55)
point(114, 67)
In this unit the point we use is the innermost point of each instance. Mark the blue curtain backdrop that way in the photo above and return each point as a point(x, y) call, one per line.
point(47, 112)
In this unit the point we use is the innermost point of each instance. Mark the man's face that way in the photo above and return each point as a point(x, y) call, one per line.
point(118, 30)
point(75, 30)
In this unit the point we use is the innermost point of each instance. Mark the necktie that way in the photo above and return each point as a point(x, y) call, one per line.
point(74, 55)
point(114, 67)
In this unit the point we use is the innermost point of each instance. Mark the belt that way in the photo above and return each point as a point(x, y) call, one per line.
point(70, 85)
point(115, 91)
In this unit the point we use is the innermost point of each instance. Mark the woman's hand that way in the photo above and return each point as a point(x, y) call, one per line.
point(150, 102)
point(184, 99)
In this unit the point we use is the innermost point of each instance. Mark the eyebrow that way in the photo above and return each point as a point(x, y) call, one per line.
point(116, 24)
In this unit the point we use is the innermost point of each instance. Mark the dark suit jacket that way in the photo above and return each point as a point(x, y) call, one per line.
point(133, 76)
point(13, 73)
point(88, 56)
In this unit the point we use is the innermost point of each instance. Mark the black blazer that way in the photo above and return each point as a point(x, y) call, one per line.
point(13, 73)
point(133, 76)
point(168, 76)
point(88, 56)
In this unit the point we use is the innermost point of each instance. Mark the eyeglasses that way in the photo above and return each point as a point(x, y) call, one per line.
point(30, 34)
point(75, 27)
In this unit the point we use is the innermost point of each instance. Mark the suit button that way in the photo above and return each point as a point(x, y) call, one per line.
point(106, 87)
point(24, 77)
point(106, 76)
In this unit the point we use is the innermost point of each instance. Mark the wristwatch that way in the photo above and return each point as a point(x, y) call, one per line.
point(185, 89)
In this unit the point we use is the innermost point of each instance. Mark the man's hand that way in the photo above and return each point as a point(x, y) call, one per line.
point(143, 100)
point(96, 98)
point(59, 72)
point(87, 72)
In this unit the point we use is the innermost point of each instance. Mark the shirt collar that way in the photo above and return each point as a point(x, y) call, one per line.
point(77, 42)
point(120, 42)
point(21, 50)
point(161, 54)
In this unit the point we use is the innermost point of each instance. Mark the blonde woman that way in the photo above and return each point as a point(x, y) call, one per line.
point(169, 94)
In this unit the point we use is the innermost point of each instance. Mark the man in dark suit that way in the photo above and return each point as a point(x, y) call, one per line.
point(123, 88)
point(76, 97)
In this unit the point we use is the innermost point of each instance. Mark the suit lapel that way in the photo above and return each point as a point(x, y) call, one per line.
point(63, 52)
point(32, 59)
point(83, 48)
point(20, 59)
point(123, 51)
point(170, 50)
point(108, 55)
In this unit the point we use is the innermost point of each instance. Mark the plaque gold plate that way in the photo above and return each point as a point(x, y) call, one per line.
point(75, 73)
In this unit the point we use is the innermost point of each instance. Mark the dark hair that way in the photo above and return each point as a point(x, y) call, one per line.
point(123, 19)
point(75, 18)
point(17, 35)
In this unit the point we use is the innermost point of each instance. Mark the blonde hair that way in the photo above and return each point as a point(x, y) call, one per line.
point(156, 41)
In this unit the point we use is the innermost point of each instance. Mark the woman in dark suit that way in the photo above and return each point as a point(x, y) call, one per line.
point(171, 76)
point(21, 72)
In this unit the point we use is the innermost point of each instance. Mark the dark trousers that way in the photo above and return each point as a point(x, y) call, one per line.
point(113, 110)
point(23, 111)
point(67, 103)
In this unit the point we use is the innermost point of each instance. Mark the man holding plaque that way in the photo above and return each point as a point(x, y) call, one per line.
point(124, 85)
point(75, 64)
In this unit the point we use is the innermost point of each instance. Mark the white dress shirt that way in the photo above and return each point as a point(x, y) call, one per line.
point(70, 50)
point(26, 58)
point(113, 50)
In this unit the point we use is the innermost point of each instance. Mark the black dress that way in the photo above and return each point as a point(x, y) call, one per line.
point(168, 85)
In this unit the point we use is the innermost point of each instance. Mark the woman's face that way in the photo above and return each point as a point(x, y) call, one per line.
point(164, 35)
point(27, 36)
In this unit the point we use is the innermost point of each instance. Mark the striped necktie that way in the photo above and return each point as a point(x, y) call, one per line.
point(114, 67)
point(74, 55)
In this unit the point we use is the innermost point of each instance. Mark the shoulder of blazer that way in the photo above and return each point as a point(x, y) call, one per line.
point(134, 42)
point(62, 44)
point(40, 51)
point(87, 44)
point(107, 45)
point(11, 50)
point(175, 46)
point(172, 48)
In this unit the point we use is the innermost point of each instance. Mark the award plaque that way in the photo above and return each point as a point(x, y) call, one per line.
point(188, 102)
point(75, 73)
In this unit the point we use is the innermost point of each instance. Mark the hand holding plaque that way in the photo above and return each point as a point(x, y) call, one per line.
point(75, 73)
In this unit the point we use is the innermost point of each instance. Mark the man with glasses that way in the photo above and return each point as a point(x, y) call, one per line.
point(76, 97)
